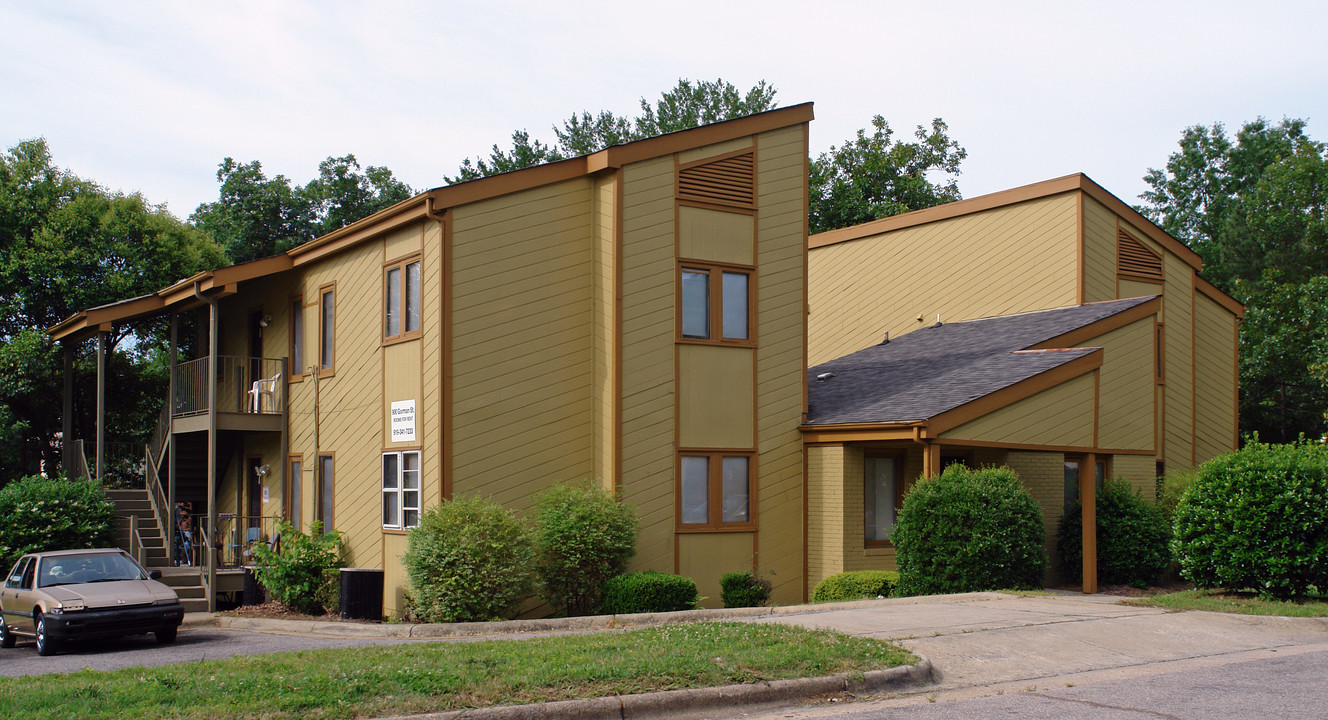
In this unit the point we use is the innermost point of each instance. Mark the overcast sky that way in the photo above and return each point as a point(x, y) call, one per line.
point(150, 96)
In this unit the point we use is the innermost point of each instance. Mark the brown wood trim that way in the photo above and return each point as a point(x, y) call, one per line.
point(1080, 250)
point(1043, 189)
point(735, 209)
point(1101, 327)
point(1097, 403)
point(1088, 510)
point(858, 432)
point(1038, 448)
point(701, 136)
point(331, 369)
point(1011, 394)
point(806, 519)
point(1235, 384)
point(618, 332)
point(446, 460)
point(806, 301)
point(1214, 293)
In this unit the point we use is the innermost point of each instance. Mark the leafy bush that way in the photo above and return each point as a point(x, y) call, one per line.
point(1257, 519)
point(969, 530)
point(744, 588)
point(470, 559)
point(300, 573)
point(1133, 538)
point(38, 513)
point(1171, 486)
point(583, 537)
point(856, 585)
point(648, 591)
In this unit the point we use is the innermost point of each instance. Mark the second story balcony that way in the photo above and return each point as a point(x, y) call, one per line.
point(250, 393)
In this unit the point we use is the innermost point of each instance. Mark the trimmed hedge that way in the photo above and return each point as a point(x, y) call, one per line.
point(744, 588)
point(1257, 519)
point(856, 585)
point(648, 591)
point(1133, 538)
point(969, 530)
point(470, 559)
point(38, 513)
point(583, 537)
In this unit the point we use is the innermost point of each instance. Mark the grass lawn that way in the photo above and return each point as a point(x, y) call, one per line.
point(425, 677)
point(1245, 603)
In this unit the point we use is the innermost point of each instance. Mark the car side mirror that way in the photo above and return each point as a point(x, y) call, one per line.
point(154, 574)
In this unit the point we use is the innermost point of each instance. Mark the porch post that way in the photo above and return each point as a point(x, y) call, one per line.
point(1088, 501)
point(931, 460)
point(214, 322)
point(167, 442)
point(67, 411)
point(103, 340)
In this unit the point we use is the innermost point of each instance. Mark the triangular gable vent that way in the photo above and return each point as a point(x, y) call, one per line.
point(1136, 260)
point(729, 181)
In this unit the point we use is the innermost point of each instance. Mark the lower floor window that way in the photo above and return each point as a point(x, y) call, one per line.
point(1073, 466)
point(401, 489)
point(881, 496)
point(715, 490)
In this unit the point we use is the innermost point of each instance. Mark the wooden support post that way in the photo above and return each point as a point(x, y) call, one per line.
point(1088, 501)
point(103, 341)
point(931, 460)
point(214, 323)
point(67, 411)
point(169, 445)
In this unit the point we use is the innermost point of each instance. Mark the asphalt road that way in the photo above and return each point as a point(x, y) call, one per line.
point(1289, 686)
point(192, 644)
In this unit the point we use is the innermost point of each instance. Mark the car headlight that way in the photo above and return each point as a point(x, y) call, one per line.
point(65, 607)
point(166, 601)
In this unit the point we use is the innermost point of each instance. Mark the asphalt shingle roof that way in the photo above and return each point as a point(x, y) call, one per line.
point(934, 369)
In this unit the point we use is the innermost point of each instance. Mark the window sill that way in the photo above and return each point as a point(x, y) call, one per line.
point(398, 339)
point(717, 343)
point(730, 528)
point(396, 531)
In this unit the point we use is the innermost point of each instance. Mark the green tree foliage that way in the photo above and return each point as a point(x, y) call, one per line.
point(969, 530)
point(67, 244)
point(1253, 207)
point(856, 585)
point(300, 572)
point(1257, 519)
point(38, 514)
point(583, 537)
point(688, 104)
point(1132, 538)
point(469, 560)
point(256, 216)
point(874, 176)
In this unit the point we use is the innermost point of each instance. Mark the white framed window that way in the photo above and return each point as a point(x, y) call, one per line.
point(401, 489)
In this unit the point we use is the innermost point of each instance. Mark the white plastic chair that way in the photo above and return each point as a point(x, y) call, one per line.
point(267, 387)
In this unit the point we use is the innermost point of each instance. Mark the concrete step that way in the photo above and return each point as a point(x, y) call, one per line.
point(194, 604)
point(190, 592)
point(126, 507)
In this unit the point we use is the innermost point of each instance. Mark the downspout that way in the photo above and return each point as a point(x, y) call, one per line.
point(213, 327)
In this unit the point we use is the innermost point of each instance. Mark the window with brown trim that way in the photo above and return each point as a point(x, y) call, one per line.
point(715, 303)
point(326, 477)
point(296, 370)
point(294, 485)
point(1160, 355)
point(401, 300)
point(327, 311)
point(715, 491)
point(882, 496)
point(1073, 466)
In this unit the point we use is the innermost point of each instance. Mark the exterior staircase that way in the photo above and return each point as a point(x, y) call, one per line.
point(187, 582)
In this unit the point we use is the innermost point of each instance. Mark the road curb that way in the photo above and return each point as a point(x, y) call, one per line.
point(684, 703)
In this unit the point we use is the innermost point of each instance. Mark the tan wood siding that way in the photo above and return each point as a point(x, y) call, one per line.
point(429, 407)
point(1125, 408)
point(401, 381)
point(705, 234)
point(1178, 312)
point(781, 277)
point(647, 356)
point(522, 333)
point(1011, 259)
point(1138, 288)
point(395, 581)
point(701, 153)
point(605, 328)
point(1061, 416)
point(1099, 252)
point(715, 397)
point(403, 242)
point(1138, 470)
point(704, 557)
point(1214, 379)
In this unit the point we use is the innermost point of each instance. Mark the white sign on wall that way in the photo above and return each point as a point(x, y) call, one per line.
point(403, 421)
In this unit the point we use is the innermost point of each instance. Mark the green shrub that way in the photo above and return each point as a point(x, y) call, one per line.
point(643, 592)
point(969, 530)
point(38, 513)
point(1133, 538)
point(1171, 486)
point(583, 537)
point(744, 588)
point(856, 585)
point(470, 559)
point(301, 572)
point(1257, 519)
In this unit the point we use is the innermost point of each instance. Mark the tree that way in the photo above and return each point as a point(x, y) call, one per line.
point(257, 217)
point(872, 176)
point(686, 105)
point(1253, 208)
point(67, 244)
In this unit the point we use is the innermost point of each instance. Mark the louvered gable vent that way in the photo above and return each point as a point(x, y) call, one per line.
point(1136, 260)
point(729, 181)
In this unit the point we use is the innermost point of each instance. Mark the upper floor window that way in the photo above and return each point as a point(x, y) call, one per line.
point(297, 337)
point(327, 310)
point(715, 303)
point(401, 299)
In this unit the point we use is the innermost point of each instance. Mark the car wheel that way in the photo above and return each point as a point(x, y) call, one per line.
point(7, 638)
point(45, 645)
point(166, 635)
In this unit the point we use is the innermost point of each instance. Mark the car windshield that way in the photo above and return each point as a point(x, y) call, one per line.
point(72, 569)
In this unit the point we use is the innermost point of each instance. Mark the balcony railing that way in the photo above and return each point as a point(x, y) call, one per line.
point(244, 385)
point(234, 539)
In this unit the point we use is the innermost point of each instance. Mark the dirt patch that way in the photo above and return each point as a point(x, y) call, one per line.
point(276, 611)
point(1169, 585)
